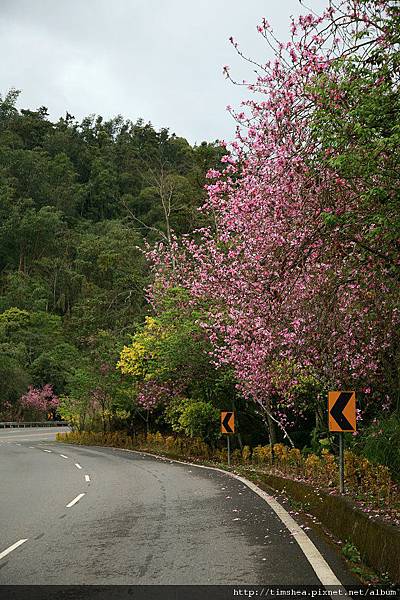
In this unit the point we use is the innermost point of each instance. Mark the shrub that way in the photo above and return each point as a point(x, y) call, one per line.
point(194, 418)
point(246, 454)
point(312, 465)
point(380, 443)
point(262, 455)
point(237, 456)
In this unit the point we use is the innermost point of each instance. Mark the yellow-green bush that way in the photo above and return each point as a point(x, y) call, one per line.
point(294, 457)
point(281, 452)
point(246, 454)
point(262, 455)
point(237, 456)
point(312, 466)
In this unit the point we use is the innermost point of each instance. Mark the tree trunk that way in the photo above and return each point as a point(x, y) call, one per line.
point(21, 267)
point(272, 436)
point(272, 430)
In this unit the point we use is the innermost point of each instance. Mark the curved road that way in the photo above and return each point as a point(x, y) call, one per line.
point(77, 515)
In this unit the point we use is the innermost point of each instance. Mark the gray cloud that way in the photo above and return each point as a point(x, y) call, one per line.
point(160, 60)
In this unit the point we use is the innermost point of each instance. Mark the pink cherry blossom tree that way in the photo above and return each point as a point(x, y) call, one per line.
point(295, 275)
point(40, 401)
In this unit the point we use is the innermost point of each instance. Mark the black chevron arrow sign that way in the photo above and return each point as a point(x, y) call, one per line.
point(336, 411)
point(227, 422)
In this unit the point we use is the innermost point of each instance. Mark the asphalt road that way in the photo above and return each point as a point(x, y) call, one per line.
point(103, 516)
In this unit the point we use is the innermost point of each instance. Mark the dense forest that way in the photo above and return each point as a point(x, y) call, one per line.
point(78, 204)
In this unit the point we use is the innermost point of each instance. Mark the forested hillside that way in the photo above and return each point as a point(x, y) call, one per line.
point(77, 203)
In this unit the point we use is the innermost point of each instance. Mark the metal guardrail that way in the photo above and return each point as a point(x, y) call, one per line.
point(12, 424)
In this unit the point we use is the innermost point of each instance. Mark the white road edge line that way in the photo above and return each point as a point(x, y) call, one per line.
point(63, 456)
point(321, 568)
point(11, 548)
point(75, 500)
point(311, 552)
point(78, 466)
point(87, 478)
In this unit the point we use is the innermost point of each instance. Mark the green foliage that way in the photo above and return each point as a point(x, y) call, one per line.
point(14, 381)
point(55, 365)
point(96, 395)
point(31, 351)
point(172, 347)
point(352, 553)
point(14, 319)
point(171, 350)
point(201, 419)
point(75, 407)
point(77, 202)
point(195, 419)
point(380, 443)
point(361, 135)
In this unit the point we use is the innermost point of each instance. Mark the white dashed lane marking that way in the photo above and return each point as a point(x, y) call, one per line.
point(75, 500)
point(13, 547)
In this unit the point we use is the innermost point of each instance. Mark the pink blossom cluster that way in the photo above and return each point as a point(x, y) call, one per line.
point(152, 393)
point(40, 399)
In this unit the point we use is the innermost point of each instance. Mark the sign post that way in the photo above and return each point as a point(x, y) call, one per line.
point(341, 462)
point(342, 417)
point(228, 427)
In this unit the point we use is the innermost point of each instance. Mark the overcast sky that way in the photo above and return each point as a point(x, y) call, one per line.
point(160, 60)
